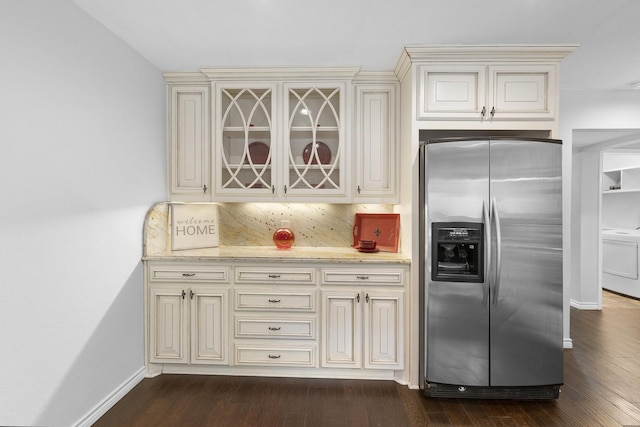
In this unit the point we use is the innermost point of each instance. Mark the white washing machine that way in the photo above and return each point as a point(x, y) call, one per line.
point(620, 261)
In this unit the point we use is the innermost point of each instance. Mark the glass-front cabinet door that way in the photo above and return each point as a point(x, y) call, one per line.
point(245, 141)
point(314, 141)
point(280, 142)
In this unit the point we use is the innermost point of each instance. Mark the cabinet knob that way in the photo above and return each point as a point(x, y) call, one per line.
point(274, 276)
point(183, 294)
point(493, 112)
point(483, 112)
point(204, 188)
point(358, 297)
point(274, 301)
point(274, 356)
point(366, 298)
point(274, 328)
point(363, 277)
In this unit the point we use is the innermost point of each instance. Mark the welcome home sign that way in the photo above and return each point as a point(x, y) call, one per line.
point(194, 225)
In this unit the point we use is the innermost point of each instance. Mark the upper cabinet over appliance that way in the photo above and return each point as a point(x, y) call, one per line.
point(487, 86)
point(477, 92)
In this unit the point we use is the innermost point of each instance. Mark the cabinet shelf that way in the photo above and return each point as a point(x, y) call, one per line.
point(621, 180)
point(240, 129)
point(631, 190)
point(298, 166)
point(317, 129)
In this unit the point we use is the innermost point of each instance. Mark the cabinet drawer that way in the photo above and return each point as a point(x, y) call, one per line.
point(275, 275)
point(283, 300)
point(189, 273)
point(350, 277)
point(274, 355)
point(275, 328)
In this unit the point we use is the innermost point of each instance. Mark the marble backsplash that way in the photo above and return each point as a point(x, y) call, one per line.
point(253, 224)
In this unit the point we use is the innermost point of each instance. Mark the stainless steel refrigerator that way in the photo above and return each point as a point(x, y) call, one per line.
point(491, 267)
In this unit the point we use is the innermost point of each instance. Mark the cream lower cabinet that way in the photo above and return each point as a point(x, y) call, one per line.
point(275, 316)
point(187, 313)
point(363, 327)
point(188, 324)
point(283, 318)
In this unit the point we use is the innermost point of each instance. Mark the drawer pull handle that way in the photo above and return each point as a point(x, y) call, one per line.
point(188, 274)
point(363, 277)
point(274, 276)
point(274, 300)
point(274, 356)
point(274, 328)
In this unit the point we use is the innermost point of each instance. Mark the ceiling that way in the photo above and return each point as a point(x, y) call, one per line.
point(185, 35)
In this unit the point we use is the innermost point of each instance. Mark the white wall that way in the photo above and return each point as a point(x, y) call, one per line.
point(585, 231)
point(82, 158)
point(590, 110)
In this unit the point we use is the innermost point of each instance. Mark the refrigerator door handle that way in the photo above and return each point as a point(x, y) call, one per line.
point(496, 218)
point(487, 250)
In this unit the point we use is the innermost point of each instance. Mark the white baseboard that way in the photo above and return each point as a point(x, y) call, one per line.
point(584, 305)
point(567, 343)
point(113, 398)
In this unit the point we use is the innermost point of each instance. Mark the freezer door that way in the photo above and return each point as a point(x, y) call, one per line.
point(526, 299)
point(457, 318)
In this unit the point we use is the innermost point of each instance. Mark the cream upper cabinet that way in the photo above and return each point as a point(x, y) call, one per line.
point(189, 141)
point(244, 150)
point(451, 92)
point(480, 92)
point(281, 134)
point(522, 92)
point(376, 143)
point(315, 139)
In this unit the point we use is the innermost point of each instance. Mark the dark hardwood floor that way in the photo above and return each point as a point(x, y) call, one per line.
point(602, 388)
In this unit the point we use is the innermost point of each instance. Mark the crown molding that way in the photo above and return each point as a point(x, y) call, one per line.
point(403, 65)
point(279, 73)
point(185, 77)
point(375, 77)
point(486, 53)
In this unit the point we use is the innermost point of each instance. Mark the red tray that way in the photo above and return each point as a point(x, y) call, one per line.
point(383, 228)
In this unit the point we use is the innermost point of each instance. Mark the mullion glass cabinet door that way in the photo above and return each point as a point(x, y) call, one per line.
point(246, 144)
point(314, 140)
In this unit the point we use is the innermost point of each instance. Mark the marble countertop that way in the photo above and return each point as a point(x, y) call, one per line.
point(258, 253)
point(157, 244)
